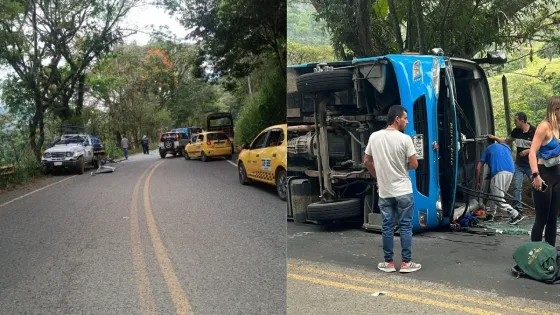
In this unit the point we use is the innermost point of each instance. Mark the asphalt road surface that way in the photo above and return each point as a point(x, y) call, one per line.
point(154, 237)
point(334, 271)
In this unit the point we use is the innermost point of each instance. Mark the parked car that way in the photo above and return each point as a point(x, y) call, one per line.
point(208, 145)
point(73, 151)
point(264, 160)
point(172, 142)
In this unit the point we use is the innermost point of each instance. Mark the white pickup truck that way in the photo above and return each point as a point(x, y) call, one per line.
point(73, 151)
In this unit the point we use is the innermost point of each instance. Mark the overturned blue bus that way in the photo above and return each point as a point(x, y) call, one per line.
point(332, 109)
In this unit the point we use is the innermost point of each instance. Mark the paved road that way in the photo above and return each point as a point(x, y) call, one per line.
point(154, 237)
point(334, 272)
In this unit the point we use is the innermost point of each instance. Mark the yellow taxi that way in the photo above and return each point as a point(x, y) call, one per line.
point(265, 160)
point(206, 145)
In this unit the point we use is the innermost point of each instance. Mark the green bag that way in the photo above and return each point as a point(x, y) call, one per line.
point(538, 260)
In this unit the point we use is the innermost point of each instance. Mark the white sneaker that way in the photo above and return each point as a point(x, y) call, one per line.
point(409, 267)
point(387, 267)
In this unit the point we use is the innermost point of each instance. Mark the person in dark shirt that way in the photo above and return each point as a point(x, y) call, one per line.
point(146, 144)
point(500, 162)
point(523, 136)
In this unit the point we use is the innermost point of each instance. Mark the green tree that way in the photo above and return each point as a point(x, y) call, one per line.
point(462, 28)
point(69, 35)
point(233, 33)
point(300, 53)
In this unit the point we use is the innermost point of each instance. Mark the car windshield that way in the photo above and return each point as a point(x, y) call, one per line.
point(216, 136)
point(72, 139)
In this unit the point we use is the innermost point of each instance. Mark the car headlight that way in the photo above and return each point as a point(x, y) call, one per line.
point(68, 154)
point(47, 155)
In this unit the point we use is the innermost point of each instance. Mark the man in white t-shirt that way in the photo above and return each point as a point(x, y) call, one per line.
point(389, 155)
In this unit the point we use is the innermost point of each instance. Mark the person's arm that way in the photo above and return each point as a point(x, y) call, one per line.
point(538, 139)
point(411, 154)
point(477, 174)
point(368, 161)
point(508, 140)
point(482, 161)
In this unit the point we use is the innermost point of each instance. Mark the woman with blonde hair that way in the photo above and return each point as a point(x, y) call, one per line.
point(544, 159)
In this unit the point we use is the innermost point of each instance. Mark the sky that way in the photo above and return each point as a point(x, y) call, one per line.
point(144, 16)
point(140, 18)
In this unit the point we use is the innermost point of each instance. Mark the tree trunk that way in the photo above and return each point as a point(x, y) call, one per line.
point(37, 121)
point(420, 25)
point(442, 30)
point(281, 60)
point(396, 26)
point(363, 27)
point(409, 46)
point(81, 91)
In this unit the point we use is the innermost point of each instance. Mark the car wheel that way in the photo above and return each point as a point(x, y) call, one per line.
point(162, 154)
point(80, 166)
point(168, 145)
point(203, 157)
point(243, 179)
point(281, 184)
point(187, 157)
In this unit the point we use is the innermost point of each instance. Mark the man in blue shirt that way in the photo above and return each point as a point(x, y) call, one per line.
point(498, 157)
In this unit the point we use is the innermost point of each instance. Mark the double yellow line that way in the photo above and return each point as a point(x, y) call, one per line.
point(147, 300)
point(359, 284)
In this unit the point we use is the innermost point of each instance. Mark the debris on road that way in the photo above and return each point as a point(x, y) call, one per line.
point(103, 169)
point(379, 293)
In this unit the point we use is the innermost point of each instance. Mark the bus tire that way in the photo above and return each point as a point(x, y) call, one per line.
point(337, 210)
point(334, 81)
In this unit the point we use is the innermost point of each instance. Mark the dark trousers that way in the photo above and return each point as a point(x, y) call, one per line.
point(146, 148)
point(547, 205)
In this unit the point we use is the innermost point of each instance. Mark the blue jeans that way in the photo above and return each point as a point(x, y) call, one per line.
point(401, 207)
point(520, 172)
point(125, 153)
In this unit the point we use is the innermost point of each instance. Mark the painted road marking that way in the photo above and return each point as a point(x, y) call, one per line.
point(456, 297)
point(400, 296)
point(37, 190)
point(230, 162)
point(178, 296)
point(147, 300)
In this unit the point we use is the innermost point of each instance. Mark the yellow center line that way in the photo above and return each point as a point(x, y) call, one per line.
point(141, 270)
point(178, 296)
point(457, 297)
point(399, 296)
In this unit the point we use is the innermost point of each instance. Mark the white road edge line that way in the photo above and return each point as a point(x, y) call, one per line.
point(31, 193)
point(230, 162)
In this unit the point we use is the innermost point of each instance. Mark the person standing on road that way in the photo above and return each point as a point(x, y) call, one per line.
point(544, 158)
point(389, 155)
point(124, 146)
point(523, 136)
point(146, 144)
point(499, 159)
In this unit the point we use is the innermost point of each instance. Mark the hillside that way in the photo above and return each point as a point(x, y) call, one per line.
point(526, 93)
point(302, 26)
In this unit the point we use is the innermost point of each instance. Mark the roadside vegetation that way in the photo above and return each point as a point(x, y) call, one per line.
point(70, 62)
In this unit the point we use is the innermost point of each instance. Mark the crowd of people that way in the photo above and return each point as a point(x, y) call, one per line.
point(390, 154)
